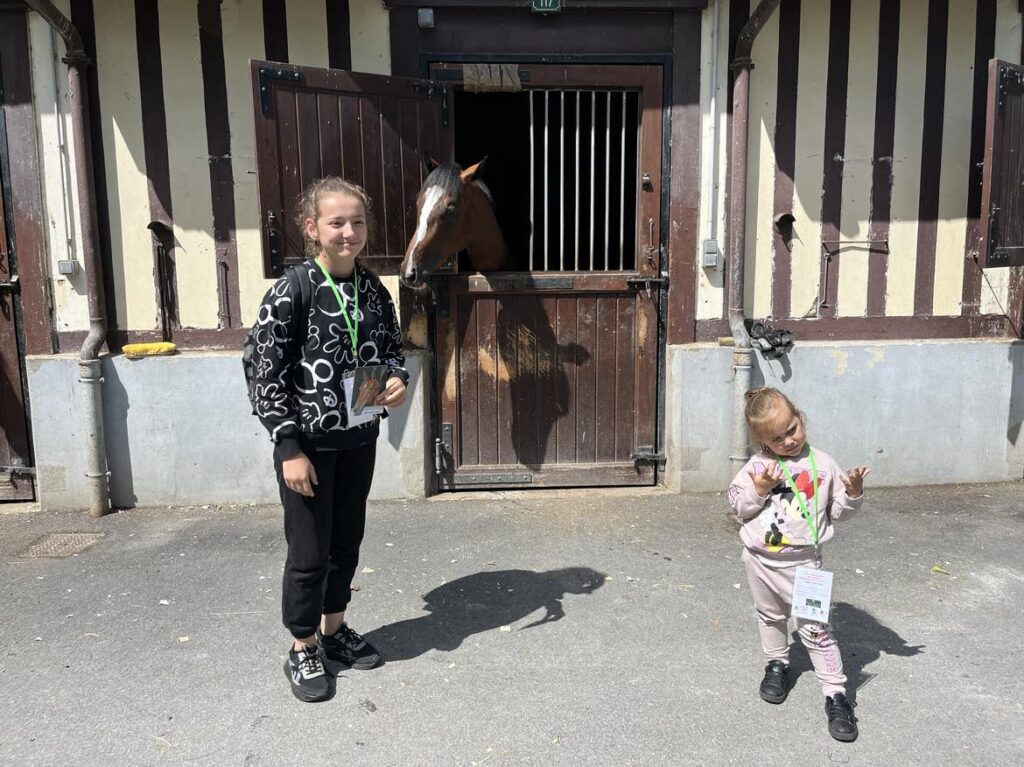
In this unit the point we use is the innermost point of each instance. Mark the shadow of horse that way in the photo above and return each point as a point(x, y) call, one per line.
point(862, 641)
point(482, 602)
point(537, 368)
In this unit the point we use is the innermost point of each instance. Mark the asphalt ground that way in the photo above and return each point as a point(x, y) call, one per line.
point(572, 628)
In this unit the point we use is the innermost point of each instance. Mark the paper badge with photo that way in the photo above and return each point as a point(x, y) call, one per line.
point(362, 387)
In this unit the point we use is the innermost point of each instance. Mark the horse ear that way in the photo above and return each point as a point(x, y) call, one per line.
point(470, 173)
point(430, 163)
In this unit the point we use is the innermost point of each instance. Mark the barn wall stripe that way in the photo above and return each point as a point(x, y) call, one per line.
point(275, 29)
point(785, 150)
point(854, 218)
point(931, 156)
point(339, 39)
point(761, 172)
point(805, 254)
point(906, 184)
point(83, 19)
point(128, 189)
point(218, 139)
point(154, 137)
point(984, 49)
point(951, 219)
point(834, 150)
point(739, 12)
point(882, 154)
point(242, 34)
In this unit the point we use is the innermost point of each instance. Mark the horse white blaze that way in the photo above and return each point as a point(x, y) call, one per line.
point(431, 199)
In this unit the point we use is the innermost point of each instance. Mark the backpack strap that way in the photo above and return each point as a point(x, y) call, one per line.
point(301, 293)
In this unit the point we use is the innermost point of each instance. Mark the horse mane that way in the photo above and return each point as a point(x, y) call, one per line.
point(449, 177)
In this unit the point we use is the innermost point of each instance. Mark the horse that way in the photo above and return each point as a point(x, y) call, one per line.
point(454, 212)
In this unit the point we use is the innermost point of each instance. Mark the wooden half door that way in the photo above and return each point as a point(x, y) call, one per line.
point(370, 129)
point(547, 375)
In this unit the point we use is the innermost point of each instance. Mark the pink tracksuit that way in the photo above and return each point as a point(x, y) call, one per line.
point(777, 539)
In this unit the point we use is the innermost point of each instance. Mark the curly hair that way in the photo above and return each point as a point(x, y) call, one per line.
point(308, 205)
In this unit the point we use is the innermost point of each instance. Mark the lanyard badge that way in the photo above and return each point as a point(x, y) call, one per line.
point(811, 523)
point(351, 323)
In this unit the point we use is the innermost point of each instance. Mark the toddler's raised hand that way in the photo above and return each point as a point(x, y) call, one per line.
point(854, 481)
point(766, 479)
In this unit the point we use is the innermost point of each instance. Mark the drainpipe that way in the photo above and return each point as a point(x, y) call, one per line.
point(89, 364)
point(743, 355)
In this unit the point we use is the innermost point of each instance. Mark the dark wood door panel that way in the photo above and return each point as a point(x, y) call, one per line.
point(370, 129)
point(544, 383)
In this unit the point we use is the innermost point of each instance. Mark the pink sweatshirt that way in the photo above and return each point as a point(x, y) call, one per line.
point(773, 527)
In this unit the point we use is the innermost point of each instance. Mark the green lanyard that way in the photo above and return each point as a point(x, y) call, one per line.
point(352, 325)
point(811, 523)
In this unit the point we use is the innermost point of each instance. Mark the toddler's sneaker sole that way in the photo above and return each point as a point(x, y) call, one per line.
point(774, 698)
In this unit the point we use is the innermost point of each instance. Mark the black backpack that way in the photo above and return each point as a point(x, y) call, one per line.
point(302, 297)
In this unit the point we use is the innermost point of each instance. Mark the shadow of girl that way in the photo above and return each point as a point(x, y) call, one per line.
point(482, 602)
point(862, 640)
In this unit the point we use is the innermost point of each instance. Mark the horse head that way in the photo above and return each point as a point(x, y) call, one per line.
point(448, 220)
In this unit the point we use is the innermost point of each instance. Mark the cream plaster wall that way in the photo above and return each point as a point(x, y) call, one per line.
point(56, 158)
point(242, 25)
point(127, 189)
point(812, 78)
point(714, 98)
point(852, 295)
point(307, 32)
point(371, 37)
point(951, 230)
point(188, 159)
point(761, 178)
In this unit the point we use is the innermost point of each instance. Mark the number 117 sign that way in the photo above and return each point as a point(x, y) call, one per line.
point(547, 6)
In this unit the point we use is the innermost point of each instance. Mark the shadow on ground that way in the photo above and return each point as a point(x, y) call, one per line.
point(482, 602)
point(862, 641)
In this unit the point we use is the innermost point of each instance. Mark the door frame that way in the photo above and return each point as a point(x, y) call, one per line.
point(665, 62)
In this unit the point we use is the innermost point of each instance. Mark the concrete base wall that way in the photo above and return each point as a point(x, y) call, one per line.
point(179, 430)
point(929, 412)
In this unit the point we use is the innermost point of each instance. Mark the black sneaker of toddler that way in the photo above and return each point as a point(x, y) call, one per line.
point(775, 685)
point(842, 724)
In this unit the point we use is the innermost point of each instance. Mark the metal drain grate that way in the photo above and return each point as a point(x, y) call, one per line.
point(57, 545)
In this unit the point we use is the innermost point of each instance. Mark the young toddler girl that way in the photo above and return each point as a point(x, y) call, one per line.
point(786, 497)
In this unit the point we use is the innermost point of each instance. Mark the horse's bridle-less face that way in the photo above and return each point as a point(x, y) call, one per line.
point(441, 226)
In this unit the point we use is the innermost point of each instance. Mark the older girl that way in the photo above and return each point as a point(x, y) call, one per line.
point(324, 454)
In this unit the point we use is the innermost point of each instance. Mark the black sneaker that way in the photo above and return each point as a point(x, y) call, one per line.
point(305, 670)
point(348, 648)
point(775, 685)
point(842, 724)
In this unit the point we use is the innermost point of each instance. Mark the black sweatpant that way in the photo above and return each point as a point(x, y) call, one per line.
point(323, 535)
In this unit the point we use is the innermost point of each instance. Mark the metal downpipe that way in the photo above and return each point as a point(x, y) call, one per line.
point(89, 363)
point(743, 355)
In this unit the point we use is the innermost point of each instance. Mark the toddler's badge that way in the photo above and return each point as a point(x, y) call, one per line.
point(812, 594)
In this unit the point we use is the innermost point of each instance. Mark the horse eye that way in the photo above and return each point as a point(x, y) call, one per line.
point(450, 209)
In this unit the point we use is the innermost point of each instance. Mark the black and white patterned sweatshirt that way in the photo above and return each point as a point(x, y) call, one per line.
point(299, 394)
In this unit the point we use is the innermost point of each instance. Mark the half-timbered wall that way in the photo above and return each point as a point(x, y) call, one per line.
point(173, 142)
point(866, 127)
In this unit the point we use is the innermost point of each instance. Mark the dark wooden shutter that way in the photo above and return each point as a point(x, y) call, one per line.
point(1002, 195)
point(370, 129)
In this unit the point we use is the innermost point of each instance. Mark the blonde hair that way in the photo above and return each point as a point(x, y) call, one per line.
point(762, 409)
point(308, 205)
